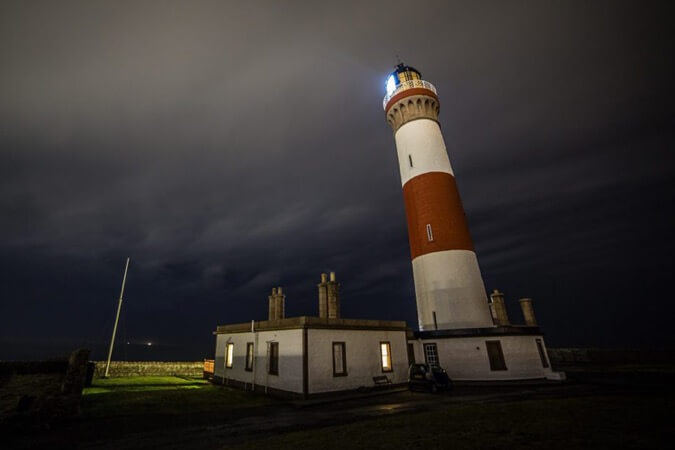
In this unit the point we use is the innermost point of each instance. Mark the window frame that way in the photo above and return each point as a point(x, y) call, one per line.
point(430, 233)
point(411, 353)
point(390, 359)
point(229, 355)
point(344, 359)
point(273, 359)
point(250, 356)
point(542, 354)
point(499, 363)
point(426, 354)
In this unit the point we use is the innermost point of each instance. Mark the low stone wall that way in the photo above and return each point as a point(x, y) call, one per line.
point(151, 368)
point(608, 356)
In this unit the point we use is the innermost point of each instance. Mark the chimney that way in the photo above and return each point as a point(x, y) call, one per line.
point(333, 294)
point(498, 309)
point(528, 312)
point(323, 296)
point(272, 314)
point(281, 304)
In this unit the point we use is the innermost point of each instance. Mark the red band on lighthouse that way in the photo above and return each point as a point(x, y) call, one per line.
point(436, 219)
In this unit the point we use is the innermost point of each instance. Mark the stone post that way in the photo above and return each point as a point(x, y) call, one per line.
point(272, 315)
point(323, 296)
point(528, 312)
point(281, 304)
point(333, 294)
point(498, 309)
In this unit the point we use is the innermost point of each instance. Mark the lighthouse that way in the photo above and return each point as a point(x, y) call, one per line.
point(458, 329)
point(449, 288)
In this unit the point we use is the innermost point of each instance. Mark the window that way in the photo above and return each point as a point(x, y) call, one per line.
point(411, 353)
point(435, 321)
point(496, 355)
point(249, 356)
point(339, 360)
point(542, 353)
point(430, 234)
point(431, 354)
point(385, 356)
point(410, 160)
point(273, 366)
point(229, 355)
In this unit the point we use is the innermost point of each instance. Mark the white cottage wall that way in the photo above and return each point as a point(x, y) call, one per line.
point(467, 358)
point(362, 350)
point(290, 359)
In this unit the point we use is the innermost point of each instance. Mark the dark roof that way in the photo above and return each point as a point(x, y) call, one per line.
point(313, 322)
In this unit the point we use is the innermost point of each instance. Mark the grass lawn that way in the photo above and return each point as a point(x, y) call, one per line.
point(621, 421)
point(117, 406)
point(161, 396)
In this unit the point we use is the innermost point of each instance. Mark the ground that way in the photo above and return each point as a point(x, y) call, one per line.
point(601, 407)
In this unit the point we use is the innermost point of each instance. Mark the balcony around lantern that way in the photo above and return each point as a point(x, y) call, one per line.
point(405, 85)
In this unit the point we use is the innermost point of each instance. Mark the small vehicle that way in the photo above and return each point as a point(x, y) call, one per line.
point(428, 378)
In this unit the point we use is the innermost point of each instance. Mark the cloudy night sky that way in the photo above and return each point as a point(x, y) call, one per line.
point(229, 147)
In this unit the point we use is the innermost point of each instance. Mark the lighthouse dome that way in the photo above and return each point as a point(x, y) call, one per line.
point(402, 74)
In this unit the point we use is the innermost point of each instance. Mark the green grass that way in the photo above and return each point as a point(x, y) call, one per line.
point(162, 396)
point(561, 423)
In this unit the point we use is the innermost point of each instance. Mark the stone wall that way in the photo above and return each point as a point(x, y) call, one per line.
point(151, 368)
point(608, 356)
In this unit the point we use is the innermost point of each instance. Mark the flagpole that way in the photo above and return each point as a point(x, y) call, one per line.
point(117, 318)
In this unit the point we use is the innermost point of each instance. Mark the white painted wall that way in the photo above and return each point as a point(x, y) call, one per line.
point(290, 358)
point(466, 359)
point(450, 283)
point(362, 349)
point(423, 141)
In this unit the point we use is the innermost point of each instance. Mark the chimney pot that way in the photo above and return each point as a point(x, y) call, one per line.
point(528, 312)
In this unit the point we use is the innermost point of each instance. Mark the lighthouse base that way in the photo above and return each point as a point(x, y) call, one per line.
point(486, 354)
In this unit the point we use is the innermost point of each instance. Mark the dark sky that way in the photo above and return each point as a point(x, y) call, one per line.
point(229, 147)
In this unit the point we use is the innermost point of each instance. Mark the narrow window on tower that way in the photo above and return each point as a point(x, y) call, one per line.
point(410, 159)
point(430, 234)
point(435, 321)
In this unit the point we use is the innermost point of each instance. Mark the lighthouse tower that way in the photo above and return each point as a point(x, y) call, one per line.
point(448, 285)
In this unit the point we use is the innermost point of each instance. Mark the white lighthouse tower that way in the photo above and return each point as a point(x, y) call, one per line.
point(448, 284)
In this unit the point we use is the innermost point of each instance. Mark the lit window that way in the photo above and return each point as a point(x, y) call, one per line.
point(339, 359)
point(430, 234)
point(249, 356)
point(229, 355)
point(273, 363)
point(385, 354)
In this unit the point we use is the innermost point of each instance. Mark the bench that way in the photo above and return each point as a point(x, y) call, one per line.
point(381, 380)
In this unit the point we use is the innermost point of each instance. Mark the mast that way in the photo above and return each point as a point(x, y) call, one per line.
point(117, 318)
